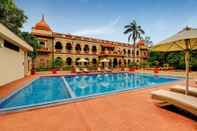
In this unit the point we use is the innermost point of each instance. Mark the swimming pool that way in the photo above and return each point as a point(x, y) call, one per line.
point(46, 91)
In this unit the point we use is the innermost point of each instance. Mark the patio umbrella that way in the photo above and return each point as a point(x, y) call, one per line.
point(185, 40)
point(104, 60)
point(82, 60)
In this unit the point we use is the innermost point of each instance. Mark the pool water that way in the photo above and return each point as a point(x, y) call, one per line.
point(49, 90)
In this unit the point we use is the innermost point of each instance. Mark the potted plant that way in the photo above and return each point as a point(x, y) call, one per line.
point(132, 66)
point(56, 65)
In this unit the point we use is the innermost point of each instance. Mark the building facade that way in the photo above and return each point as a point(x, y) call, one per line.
point(71, 48)
point(15, 63)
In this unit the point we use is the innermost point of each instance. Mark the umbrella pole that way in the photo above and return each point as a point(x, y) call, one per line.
point(187, 65)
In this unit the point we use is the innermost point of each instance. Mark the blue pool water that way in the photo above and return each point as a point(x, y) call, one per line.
point(47, 90)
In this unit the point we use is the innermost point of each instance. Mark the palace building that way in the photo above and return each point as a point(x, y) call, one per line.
point(71, 48)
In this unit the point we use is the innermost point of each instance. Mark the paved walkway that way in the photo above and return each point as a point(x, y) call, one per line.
point(129, 111)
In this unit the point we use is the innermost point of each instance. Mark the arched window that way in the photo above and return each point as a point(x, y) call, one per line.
point(76, 62)
point(120, 62)
point(129, 52)
point(94, 62)
point(68, 46)
point(137, 53)
point(115, 62)
point(69, 61)
point(86, 48)
point(125, 61)
point(78, 48)
point(129, 62)
point(124, 51)
point(94, 50)
point(58, 45)
point(86, 63)
point(42, 44)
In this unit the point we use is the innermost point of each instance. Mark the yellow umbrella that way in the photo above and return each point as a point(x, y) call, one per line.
point(184, 40)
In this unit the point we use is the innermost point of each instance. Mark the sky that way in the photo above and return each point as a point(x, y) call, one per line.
point(105, 19)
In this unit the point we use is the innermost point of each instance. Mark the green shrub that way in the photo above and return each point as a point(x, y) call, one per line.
point(42, 69)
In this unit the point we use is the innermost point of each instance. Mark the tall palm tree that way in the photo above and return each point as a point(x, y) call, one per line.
point(135, 31)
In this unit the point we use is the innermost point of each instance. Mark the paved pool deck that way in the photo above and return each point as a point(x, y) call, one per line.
point(133, 110)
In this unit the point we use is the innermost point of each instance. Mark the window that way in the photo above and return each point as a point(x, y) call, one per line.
point(86, 48)
point(94, 49)
point(78, 47)
point(58, 45)
point(68, 46)
point(11, 46)
point(69, 61)
point(42, 44)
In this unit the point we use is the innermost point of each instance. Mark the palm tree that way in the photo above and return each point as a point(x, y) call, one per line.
point(34, 42)
point(135, 31)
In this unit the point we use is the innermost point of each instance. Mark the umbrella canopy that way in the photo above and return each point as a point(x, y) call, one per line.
point(104, 60)
point(82, 60)
point(184, 40)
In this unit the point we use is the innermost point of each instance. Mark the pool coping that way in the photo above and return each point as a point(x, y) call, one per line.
point(75, 99)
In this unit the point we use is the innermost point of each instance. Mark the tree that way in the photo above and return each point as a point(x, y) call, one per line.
point(11, 16)
point(135, 31)
point(34, 42)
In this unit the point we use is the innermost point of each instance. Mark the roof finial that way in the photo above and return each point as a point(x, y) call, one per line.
point(42, 17)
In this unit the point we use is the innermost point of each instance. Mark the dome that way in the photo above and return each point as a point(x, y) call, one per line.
point(42, 25)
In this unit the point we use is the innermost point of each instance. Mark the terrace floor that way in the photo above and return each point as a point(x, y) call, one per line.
point(129, 111)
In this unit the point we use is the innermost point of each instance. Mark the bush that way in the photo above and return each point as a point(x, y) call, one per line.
point(42, 69)
point(67, 68)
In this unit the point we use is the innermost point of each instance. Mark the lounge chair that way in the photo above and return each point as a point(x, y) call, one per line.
point(77, 70)
point(181, 89)
point(188, 103)
point(99, 69)
point(85, 70)
point(107, 69)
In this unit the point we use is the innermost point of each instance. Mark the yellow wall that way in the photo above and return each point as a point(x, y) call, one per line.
point(11, 65)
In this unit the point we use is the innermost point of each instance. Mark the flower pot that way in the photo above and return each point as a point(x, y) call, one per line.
point(33, 72)
point(54, 71)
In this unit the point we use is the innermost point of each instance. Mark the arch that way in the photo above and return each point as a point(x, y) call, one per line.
point(42, 44)
point(120, 62)
point(115, 62)
point(129, 61)
point(94, 61)
point(129, 52)
point(94, 49)
point(58, 45)
point(125, 62)
point(76, 61)
point(69, 61)
point(86, 48)
point(69, 46)
point(124, 51)
point(86, 63)
point(78, 47)
point(137, 52)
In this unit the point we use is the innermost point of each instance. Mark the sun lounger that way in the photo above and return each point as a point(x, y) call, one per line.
point(85, 70)
point(107, 69)
point(188, 103)
point(99, 69)
point(181, 89)
point(77, 70)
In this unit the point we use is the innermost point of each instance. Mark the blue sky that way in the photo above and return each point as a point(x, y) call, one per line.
point(105, 19)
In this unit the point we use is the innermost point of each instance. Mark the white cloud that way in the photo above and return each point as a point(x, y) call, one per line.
point(106, 29)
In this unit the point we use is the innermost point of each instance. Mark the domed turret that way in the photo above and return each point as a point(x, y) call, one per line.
point(42, 25)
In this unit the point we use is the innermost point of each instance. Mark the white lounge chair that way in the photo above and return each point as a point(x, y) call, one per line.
point(107, 69)
point(181, 89)
point(85, 70)
point(188, 103)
